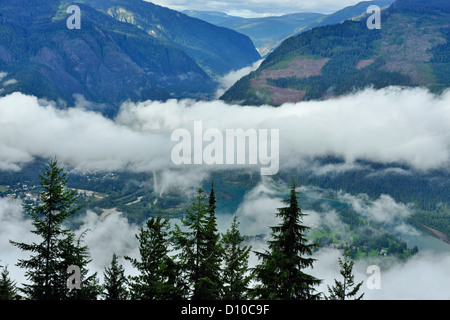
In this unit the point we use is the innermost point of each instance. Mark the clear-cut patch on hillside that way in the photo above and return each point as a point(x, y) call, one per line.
point(409, 52)
point(297, 68)
point(364, 63)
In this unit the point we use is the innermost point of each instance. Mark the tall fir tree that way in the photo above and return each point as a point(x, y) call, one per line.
point(8, 289)
point(46, 269)
point(115, 281)
point(281, 273)
point(346, 289)
point(158, 277)
point(214, 250)
point(195, 251)
point(236, 277)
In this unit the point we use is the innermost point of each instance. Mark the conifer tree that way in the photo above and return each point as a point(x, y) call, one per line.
point(346, 289)
point(159, 277)
point(214, 250)
point(8, 290)
point(196, 255)
point(115, 281)
point(74, 254)
point(281, 275)
point(47, 265)
point(235, 272)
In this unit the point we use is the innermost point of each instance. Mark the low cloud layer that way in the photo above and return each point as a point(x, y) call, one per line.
point(232, 77)
point(16, 227)
point(423, 277)
point(103, 237)
point(384, 210)
point(410, 126)
point(257, 211)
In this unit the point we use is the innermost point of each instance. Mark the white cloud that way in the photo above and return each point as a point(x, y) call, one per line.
point(409, 126)
point(423, 277)
point(384, 209)
point(232, 77)
point(16, 227)
point(83, 138)
point(324, 169)
point(102, 236)
point(258, 8)
point(9, 82)
point(106, 236)
point(256, 213)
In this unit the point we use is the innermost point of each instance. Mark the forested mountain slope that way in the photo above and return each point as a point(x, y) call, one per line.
point(217, 50)
point(106, 61)
point(410, 49)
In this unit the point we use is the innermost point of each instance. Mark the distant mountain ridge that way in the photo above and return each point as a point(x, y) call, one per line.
point(213, 17)
point(268, 32)
point(262, 31)
point(410, 49)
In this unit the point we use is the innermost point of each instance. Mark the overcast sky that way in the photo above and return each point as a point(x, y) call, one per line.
point(252, 8)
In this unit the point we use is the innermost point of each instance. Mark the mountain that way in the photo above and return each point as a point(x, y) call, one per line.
point(125, 50)
point(105, 62)
point(410, 49)
point(346, 13)
point(216, 49)
point(265, 31)
point(213, 17)
point(270, 30)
